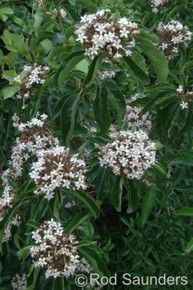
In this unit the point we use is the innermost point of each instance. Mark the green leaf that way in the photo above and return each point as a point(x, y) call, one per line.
point(71, 12)
point(68, 116)
point(92, 254)
point(10, 91)
point(8, 75)
point(83, 66)
point(147, 205)
point(89, 202)
point(189, 246)
point(6, 10)
point(76, 221)
point(88, 4)
point(160, 168)
point(136, 71)
point(24, 252)
point(117, 93)
point(35, 273)
point(26, 188)
point(133, 194)
point(116, 193)
point(183, 160)
point(116, 106)
point(38, 18)
point(156, 57)
point(186, 211)
point(66, 66)
point(93, 71)
point(101, 111)
point(58, 284)
point(14, 42)
point(46, 44)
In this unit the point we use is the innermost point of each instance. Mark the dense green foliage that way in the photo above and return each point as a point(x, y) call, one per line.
point(141, 226)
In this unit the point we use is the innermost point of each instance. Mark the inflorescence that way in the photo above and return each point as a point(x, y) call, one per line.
point(100, 35)
point(157, 4)
point(173, 34)
point(129, 154)
point(56, 251)
point(56, 168)
point(31, 77)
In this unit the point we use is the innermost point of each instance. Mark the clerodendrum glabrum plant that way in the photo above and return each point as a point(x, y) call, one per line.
point(86, 91)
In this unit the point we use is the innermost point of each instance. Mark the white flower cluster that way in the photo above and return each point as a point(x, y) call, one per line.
point(35, 136)
point(56, 251)
point(56, 168)
point(19, 282)
point(106, 74)
point(6, 202)
point(156, 4)
point(172, 35)
point(13, 222)
point(99, 34)
point(186, 98)
point(31, 77)
point(136, 118)
point(129, 154)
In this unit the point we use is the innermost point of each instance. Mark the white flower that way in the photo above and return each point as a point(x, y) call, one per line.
point(184, 105)
point(19, 282)
point(56, 168)
point(173, 34)
point(180, 89)
point(99, 34)
point(63, 13)
point(130, 153)
point(56, 251)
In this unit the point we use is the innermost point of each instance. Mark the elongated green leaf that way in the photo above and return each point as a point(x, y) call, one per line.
point(6, 10)
point(24, 252)
point(89, 202)
point(92, 254)
point(46, 44)
point(83, 66)
point(58, 284)
point(93, 71)
point(71, 12)
point(68, 117)
point(66, 66)
point(133, 194)
point(35, 273)
point(117, 107)
point(186, 211)
point(8, 75)
point(136, 71)
point(156, 57)
point(101, 111)
point(189, 246)
point(76, 221)
point(10, 91)
point(148, 203)
point(160, 168)
point(26, 188)
point(117, 93)
point(116, 193)
point(71, 64)
point(183, 160)
point(88, 4)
